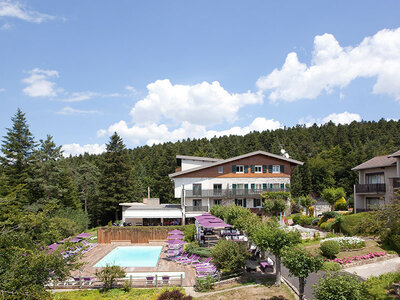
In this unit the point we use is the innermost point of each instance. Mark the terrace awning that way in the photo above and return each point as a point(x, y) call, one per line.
point(152, 213)
point(209, 221)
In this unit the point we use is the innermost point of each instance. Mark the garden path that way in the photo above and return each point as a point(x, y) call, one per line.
point(376, 269)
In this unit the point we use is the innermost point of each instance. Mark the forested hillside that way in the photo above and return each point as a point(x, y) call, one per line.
point(36, 174)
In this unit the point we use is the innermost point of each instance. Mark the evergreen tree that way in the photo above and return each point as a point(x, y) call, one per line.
point(116, 182)
point(17, 147)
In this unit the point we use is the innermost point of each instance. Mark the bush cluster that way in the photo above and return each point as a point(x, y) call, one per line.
point(330, 248)
point(347, 243)
point(303, 220)
point(205, 284)
point(341, 204)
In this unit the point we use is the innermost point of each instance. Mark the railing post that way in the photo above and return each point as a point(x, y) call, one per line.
point(181, 279)
point(156, 281)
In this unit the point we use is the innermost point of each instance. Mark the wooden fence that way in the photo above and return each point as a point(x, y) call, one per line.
point(106, 235)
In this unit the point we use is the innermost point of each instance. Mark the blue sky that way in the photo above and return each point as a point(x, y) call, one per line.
point(156, 71)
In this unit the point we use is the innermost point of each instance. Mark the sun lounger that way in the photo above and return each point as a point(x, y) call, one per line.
point(186, 259)
point(88, 280)
point(267, 265)
point(183, 256)
point(193, 258)
point(206, 270)
point(206, 262)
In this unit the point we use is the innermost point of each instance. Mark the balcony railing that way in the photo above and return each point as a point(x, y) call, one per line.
point(230, 193)
point(196, 208)
point(376, 188)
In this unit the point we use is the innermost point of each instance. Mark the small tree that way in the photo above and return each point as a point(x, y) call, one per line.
point(306, 201)
point(229, 256)
point(109, 274)
point(274, 239)
point(301, 263)
point(275, 202)
point(338, 286)
point(331, 195)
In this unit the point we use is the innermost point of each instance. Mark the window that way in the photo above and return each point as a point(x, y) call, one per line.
point(256, 202)
point(372, 203)
point(217, 201)
point(276, 169)
point(197, 202)
point(240, 169)
point(217, 189)
point(240, 202)
point(220, 169)
point(374, 178)
point(276, 186)
point(258, 169)
point(196, 189)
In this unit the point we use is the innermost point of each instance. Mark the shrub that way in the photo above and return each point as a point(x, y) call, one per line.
point(218, 211)
point(295, 207)
point(189, 232)
point(330, 248)
point(296, 219)
point(338, 286)
point(347, 243)
point(329, 215)
point(341, 204)
point(354, 224)
point(311, 211)
point(315, 221)
point(205, 284)
point(194, 248)
point(322, 226)
point(173, 295)
point(330, 266)
point(302, 220)
point(376, 287)
point(229, 256)
point(109, 274)
point(127, 286)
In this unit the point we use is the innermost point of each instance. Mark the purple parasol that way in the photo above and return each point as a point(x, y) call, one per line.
point(175, 237)
point(175, 231)
point(175, 242)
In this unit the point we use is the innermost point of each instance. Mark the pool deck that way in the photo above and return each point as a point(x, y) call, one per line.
point(164, 265)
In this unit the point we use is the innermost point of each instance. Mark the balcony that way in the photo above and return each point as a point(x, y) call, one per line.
point(230, 193)
point(373, 188)
point(196, 208)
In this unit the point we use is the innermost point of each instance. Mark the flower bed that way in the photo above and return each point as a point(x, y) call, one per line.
point(347, 243)
point(349, 260)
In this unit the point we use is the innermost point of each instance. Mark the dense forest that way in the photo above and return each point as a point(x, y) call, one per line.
point(35, 174)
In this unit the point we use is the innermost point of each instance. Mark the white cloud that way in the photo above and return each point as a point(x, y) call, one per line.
point(2, 90)
point(15, 9)
point(76, 149)
point(6, 26)
point(80, 96)
point(341, 118)
point(40, 84)
point(333, 66)
point(201, 104)
point(154, 134)
point(70, 111)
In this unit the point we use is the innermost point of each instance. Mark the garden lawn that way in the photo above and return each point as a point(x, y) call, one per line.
point(370, 246)
point(255, 292)
point(114, 294)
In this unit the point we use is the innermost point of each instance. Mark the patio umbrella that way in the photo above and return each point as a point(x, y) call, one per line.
point(176, 242)
point(175, 231)
point(175, 237)
point(84, 235)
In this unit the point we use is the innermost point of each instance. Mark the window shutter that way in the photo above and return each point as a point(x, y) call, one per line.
point(252, 168)
point(234, 186)
point(246, 169)
point(254, 202)
point(244, 203)
point(269, 168)
point(271, 186)
point(246, 186)
point(282, 168)
point(253, 186)
point(264, 186)
point(233, 168)
point(236, 201)
point(264, 169)
point(282, 186)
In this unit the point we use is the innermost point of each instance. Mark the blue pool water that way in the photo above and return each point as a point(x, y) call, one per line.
point(135, 256)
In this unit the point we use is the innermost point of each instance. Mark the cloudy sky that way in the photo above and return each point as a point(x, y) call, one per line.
point(158, 71)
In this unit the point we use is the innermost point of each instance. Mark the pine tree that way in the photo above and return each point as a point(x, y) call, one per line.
point(115, 183)
point(17, 147)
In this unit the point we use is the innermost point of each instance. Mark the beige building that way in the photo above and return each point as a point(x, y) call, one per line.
point(379, 180)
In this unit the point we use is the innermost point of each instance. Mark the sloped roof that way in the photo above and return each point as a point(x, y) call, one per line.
point(198, 158)
point(223, 161)
point(396, 154)
point(377, 162)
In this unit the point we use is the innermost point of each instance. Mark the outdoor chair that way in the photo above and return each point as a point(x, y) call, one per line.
point(165, 280)
point(183, 256)
point(88, 280)
point(202, 263)
point(150, 280)
point(267, 265)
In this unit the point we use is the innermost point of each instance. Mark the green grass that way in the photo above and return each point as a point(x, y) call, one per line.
point(350, 224)
point(114, 294)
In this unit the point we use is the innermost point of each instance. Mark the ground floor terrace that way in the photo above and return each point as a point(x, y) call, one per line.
point(179, 275)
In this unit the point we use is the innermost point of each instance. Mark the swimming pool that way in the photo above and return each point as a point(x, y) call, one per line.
point(133, 256)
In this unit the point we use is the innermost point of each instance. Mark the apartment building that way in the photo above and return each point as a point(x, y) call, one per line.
point(201, 182)
point(379, 180)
